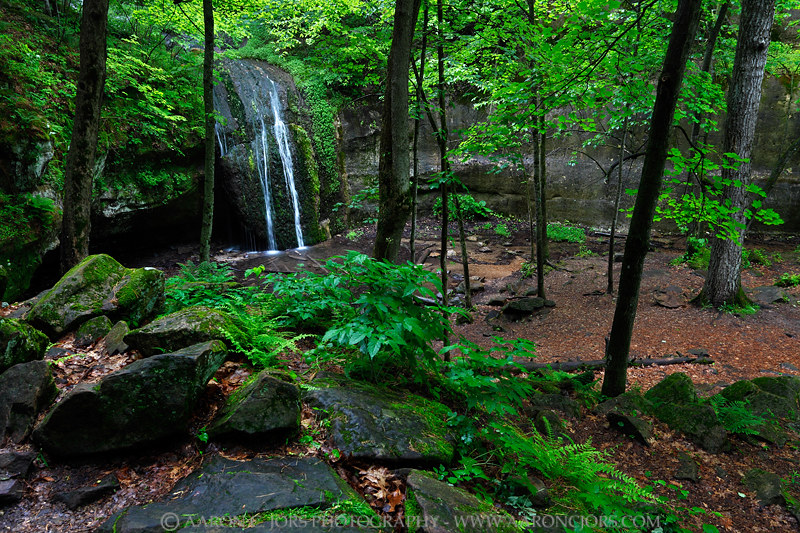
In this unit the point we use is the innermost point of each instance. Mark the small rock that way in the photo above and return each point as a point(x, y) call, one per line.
point(113, 341)
point(630, 425)
point(26, 390)
point(766, 485)
point(523, 307)
point(768, 295)
point(10, 491)
point(92, 331)
point(698, 352)
point(687, 468)
point(15, 464)
point(485, 250)
point(472, 238)
point(533, 488)
point(670, 297)
point(532, 292)
point(86, 495)
point(789, 366)
point(496, 301)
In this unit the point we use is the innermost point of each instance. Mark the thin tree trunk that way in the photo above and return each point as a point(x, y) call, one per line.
point(210, 147)
point(541, 227)
point(420, 77)
point(723, 283)
point(617, 198)
point(393, 166)
point(618, 345)
point(82, 152)
point(464, 258)
point(541, 197)
point(444, 161)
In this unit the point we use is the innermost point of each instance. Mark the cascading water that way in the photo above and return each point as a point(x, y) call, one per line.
point(261, 123)
point(282, 137)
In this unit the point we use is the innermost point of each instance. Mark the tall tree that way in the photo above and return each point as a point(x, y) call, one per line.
point(724, 282)
point(210, 147)
point(80, 165)
point(393, 165)
point(669, 82)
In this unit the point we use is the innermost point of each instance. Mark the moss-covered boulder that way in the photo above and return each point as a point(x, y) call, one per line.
point(146, 401)
point(676, 404)
point(768, 396)
point(283, 493)
point(96, 286)
point(180, 329)
point(26, 390)
point(379, 424)
point(19, 343)
point(265, 406)
point(432, 505)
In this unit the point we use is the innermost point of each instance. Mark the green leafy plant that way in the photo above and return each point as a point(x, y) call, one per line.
point(563, 233)
point(749, 309)
point(788, 280)
point(585, 251)
point(502, 230)
point(471, 208)
point(208, 284)
point(736, 416)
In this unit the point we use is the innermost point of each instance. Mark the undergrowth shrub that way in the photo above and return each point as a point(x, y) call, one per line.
point(562, 233)
point(736, 416)
point(471, 208)
point(788, 280)
point(376, 314)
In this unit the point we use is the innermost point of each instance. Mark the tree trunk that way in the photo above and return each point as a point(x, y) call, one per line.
point(210, 147)
point(420, 77)
point(618, 346)
point(617, 198)
point(723, 283)
point(83, 146)
point(393, 166)
point(444, 162)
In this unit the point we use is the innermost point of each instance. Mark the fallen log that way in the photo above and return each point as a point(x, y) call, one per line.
point(568, 366)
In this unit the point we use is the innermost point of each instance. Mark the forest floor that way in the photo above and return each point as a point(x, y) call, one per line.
point(742, 347)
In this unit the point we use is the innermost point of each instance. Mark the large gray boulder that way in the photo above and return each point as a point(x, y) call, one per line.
point(180, 329)
point(19, 343)
point(382, 425)
point(96, 286)
point(26, 390)
point(148, 400)
point(264, 406)
point(230, 492)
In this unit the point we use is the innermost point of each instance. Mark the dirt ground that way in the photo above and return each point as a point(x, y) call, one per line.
point(742, 346)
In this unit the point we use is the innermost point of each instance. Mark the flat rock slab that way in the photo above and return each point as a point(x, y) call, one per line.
point(224, 489)
point(378, 424)
point(148, 400)
point(88, 494)
point(768, 294)
point(440, 508)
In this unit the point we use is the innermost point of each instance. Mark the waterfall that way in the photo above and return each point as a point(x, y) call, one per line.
point(282, 137)
point(262, 135)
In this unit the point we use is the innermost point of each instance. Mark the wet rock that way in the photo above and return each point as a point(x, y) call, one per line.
point(440, 508)
point(114, 340)
point(182, 328)
point(92, 331)
point(88, 494)
point(19, 343)
point(226, 488)
point(766, 485)
point(26, 390)
point(264, 406)
point(378, 424)
point(98, 285)
point(148, 400)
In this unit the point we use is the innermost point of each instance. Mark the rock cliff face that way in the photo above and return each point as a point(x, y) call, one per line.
point(576, 190)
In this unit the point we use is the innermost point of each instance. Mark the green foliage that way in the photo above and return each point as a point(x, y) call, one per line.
point(24, 217)
point(733, 309)
point(562, 233)
point(484, 376)
point(256, 329)
point(502, 230)
point(736, 416)
point(788, 280)
point(755, 256)
point(365, 200)
point(471, 208)
point(372, 307)
point(697, 254)
point(585, 251)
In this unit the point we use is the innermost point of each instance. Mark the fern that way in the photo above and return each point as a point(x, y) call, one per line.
point(736, 416)
point(257, 335)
